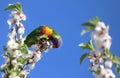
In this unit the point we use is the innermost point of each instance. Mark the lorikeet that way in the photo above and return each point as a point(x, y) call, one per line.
point(42, 34)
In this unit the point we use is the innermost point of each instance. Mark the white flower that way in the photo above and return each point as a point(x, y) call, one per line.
point(108, 63)
point(13, 21)
point(109, 73)
point(12, 44)
point(107, 42)
point(92, 60)
point(97, 53)
point(17, 53)
point(23, 16)
point(98, 76)
point(22, 41)
point(101, 28)
point(31, 65)
point(31, 60)
point(103, 41)
point(101, 60)
point(102, 72)
point(15, 15)
point(12, 34)
point(37, 56)
point(21, 29)
point(13, 75)
point(14, 61)
point(29, 55)
point(17, 65)
point(25, 72)
point(95, 67)
point(101, 37)
point(36, 47)
point(18, 15)
point(17, 77)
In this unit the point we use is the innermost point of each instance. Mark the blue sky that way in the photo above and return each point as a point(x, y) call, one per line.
point(66, 17)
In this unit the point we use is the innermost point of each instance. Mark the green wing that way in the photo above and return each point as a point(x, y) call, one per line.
point(33, 37)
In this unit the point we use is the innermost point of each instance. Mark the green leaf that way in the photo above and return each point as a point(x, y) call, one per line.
point(89, 23)
point(92, 23)
point(2, 70)
point(108, 54)
point(90, 45)
point(11, 7)
point(107, 51)
point(16, 71)
point(96, 72)
point(15, 7)
point(96, 20)
point(87, 45)
point(117, 68)
point(5, 48)
point(116, 60)
point(21, 60)
point(83, 57)
point(9, 70)
point(86, 30)
point(23, 49)
point(10, 54)
point(19, 6)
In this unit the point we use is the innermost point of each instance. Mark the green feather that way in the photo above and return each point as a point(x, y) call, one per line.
point(32, 38)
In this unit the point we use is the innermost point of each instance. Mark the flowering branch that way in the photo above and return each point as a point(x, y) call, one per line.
point(19, 57)
point(100, 57)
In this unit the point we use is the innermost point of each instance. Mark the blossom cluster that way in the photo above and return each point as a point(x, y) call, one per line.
point(102, 40)
point(22, 53)
point(101, 59)
point(19, 60)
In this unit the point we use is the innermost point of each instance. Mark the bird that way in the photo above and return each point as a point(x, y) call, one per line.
point(45, 37)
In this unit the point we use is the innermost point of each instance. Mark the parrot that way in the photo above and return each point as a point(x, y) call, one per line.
point(44, 36)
